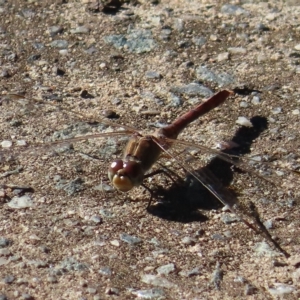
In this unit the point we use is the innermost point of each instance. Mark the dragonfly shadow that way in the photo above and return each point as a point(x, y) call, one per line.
point(181, 202)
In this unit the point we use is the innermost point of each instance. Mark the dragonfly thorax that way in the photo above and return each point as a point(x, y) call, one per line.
point(125, 174)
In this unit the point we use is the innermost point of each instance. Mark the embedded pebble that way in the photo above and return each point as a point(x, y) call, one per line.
point(52, 279)
point(8, 279)
point(255, 100)
point(166, 269)
point(165, 34)
point(24, 201)
point(4, 242)
point(54, 30)
point(21, 143)
point(237, 50)
point(206, 74)
point(188, 240)
point(280, 289)
point(26, 296)
point(296, 112)
point(157, 281)
point(154, 293)
point(250, 290)
point(276, 110)
point(243, 121)
point(6, 144)
point(62, 44)
point(223, 56)
point(106, 271)
point(71, 264)
point(199, 41)
point(71, 187)
point(233, 10)
point(190, 273)
point(193, 89)
point(229, 218)
point(263, 249)
point(136, 41)
point(179, 24)
point(152, 75)
point(130, 239)
point(269, 224)
point(96, 219)
point(115, 243)
point(297, 47)
point(244, 104)
point(176, 101)
point(80, 30)
point(91, 290)
point(63, 52)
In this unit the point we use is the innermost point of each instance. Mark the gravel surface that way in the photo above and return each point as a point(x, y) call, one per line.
point(65, 233)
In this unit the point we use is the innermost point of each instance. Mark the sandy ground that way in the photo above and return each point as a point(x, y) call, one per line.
point(147, 62)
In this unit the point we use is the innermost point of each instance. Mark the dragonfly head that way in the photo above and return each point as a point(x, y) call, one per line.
point(124, 175)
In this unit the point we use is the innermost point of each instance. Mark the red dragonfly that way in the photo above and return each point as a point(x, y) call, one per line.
point(143, 151)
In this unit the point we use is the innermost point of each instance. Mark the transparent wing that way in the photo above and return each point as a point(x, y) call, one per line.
point(38, 134)
point(241, 191)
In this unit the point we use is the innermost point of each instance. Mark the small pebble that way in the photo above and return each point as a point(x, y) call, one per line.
point(223, 56)
point(277, 110)
point(62, 44)
point(255, 100)
point(130, 239)
point(190, 273)
point(4, 242)
point(26, 296)
point(243, 122)
point(297, 47)
point(268, 224)
point(250, 290)
point(244, 104)
point(229, 218)
point(188, 241)
point(280, 289)
point(96, 219)
point(237, 50)
point(154, 293)
point(152, 75)
point(80, 30)
point(199, 41)
point(157, 281)
point(21, 143)
point(6, 144)
point(166, 269)
point(8, 279)
point(115, 243)
point(106, 271)
point(24, 201)
point(91, 290)
point(63, 52)
point(54, 30)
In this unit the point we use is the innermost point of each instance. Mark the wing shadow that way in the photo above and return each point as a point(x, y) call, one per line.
point(182, 202)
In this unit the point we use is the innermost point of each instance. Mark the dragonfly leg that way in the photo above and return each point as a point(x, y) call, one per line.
point(151, 194)
point(263, 229)
point(167, 172)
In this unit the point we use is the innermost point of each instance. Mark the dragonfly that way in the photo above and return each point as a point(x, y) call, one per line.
point(143, 151)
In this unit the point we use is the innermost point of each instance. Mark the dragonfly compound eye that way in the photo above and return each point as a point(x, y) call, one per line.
point(125, 175)
point(114, 167)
